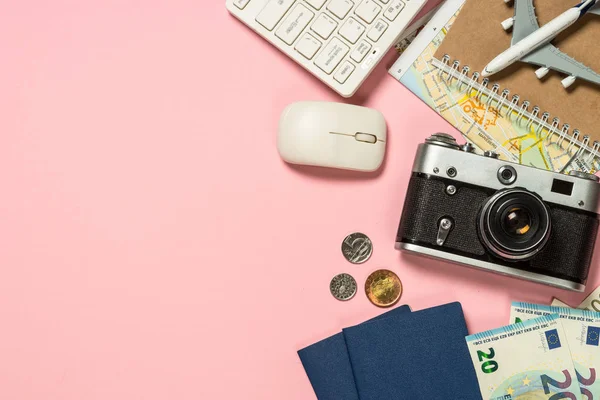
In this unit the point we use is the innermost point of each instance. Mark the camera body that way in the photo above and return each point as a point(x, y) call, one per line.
point(500, 216)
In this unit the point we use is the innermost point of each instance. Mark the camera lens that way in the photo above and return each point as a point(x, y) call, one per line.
point(514, 224)
point(517, 221)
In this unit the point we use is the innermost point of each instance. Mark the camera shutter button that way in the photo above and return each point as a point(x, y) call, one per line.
point(468, 148)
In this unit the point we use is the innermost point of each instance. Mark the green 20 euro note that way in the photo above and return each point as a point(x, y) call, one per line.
point(582, 331)
point(525, 361)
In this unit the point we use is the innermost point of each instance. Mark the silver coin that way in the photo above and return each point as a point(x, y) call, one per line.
point(343, 287)
point(357, 248)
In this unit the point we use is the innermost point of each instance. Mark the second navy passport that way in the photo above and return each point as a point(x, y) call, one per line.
point(400, 355)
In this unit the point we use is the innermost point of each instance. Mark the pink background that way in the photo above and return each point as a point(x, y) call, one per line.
point(152, 243)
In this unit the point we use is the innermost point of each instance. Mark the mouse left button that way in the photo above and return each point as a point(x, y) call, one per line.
point(365, 137)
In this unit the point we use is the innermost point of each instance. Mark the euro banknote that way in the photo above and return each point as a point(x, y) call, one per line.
point(528, 360)
point(558, 303)
point(592, 302)
point(582, 331)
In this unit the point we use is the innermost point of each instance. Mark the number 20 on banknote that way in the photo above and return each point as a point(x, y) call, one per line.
point(524, 361)
point(582, 331)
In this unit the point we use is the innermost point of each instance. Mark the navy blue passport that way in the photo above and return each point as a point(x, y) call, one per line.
point(328, 366)
point(422, 355)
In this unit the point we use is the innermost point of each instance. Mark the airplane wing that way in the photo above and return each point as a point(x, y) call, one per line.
point(552, 58)
point(525, 23)
point(525, 20)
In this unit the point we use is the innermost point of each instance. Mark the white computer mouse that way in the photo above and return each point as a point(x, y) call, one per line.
point(332, 135)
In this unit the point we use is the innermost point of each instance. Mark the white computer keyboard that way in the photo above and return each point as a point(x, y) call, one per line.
point(339, 41)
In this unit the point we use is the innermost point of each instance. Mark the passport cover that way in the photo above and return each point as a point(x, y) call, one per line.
point(422, 355)
point(328, 366)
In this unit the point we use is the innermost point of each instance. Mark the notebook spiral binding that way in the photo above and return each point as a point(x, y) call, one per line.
point(553, 128)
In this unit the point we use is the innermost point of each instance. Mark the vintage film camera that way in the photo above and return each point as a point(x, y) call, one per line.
point(503, 217)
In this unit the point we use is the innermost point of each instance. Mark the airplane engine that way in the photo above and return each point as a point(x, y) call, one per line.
point(508, 23)
point(541, 72)
point(568, 81)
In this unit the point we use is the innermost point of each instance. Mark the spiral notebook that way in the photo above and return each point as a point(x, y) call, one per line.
point(531, 137)
point(561, 120)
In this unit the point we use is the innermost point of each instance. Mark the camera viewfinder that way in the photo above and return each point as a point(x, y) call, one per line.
point(562, 187)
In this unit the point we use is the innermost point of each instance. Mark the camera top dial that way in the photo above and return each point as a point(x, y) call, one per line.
point(443, 139)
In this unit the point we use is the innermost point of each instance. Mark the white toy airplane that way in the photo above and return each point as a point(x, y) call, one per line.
point(531, 44)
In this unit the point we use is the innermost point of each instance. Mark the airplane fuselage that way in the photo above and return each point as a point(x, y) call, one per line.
point(540, 37)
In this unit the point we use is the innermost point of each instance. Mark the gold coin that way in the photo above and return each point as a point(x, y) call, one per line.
point(383, 288)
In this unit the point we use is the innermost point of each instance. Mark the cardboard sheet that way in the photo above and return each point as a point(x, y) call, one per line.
point(477, 37)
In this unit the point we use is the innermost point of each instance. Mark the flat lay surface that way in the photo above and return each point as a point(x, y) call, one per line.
point(154, 245)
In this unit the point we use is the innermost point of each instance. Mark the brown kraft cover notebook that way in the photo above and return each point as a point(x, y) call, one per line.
point(477, 37)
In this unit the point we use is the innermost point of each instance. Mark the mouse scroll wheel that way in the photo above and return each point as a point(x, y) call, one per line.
point(365, 137)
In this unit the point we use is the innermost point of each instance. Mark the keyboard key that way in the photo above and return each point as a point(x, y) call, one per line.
point(340, 8)
point(331, 55)
point(344, 72)
point(377, 30)
point(293, 25)
point(241, 3)
point(308, 46)
point(324, 26)
point(392, 11)
point(316, 3)
point(272, 13)
point(352, 30)
point(367, 11)
point(360, 51)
